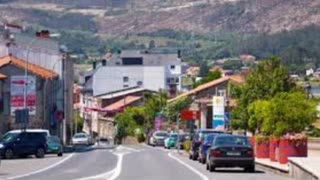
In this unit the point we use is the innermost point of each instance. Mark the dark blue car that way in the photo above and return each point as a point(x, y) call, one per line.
point(205, 146)
point(23, 144)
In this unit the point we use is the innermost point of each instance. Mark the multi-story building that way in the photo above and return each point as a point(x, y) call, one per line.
point(147, 69)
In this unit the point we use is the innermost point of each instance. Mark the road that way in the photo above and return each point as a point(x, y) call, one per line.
point(135, 162)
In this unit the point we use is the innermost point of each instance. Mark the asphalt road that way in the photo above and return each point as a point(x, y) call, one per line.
point(137, 162)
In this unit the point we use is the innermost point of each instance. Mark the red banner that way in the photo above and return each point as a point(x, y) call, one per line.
point(189, 115)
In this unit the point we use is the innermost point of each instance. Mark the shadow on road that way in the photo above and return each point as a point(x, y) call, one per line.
point(238, 171)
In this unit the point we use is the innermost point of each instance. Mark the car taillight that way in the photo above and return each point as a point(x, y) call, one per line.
point(215, 153)
point(249, 153)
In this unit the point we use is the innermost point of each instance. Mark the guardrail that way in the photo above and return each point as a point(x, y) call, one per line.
point(314, 143)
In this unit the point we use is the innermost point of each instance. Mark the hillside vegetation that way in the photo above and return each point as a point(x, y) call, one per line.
point(203, 29)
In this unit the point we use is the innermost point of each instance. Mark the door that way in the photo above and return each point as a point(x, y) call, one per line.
point(21, 146)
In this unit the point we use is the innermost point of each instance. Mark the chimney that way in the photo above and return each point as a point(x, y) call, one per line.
point(94, 64)
point(104, 62)
point(44, 34)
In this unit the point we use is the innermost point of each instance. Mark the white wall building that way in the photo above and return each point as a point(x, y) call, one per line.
point(152, 71)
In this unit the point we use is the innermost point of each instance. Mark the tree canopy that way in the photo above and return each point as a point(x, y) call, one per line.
point(270, 103)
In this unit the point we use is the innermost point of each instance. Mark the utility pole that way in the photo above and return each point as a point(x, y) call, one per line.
point(178, 134)
point(65, 108)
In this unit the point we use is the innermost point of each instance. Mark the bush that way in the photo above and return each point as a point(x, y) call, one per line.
point(187, 145)
point(141, 138)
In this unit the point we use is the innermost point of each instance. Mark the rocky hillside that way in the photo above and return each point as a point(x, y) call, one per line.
point(124, 16)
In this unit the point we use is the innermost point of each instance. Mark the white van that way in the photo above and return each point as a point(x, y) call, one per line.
point(46, 132)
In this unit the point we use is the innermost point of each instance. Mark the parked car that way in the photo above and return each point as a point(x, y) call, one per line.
point(171, 140)
point(81, 139)
point(54, 145)
point(23, 143)
point(197, 141)
point(158, 137)
point(45, 132)
point(231, 151)
point(205, 146)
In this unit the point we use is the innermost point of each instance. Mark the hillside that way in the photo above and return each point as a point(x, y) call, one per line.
point(120, 17)
point(203, 29)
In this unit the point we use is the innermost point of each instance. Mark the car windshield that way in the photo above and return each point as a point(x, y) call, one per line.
point(53, 139)
point(174, 136)
point(9, 137)
point(209, 138)
point(80, 136)
point(161, 134)
point(231, 140)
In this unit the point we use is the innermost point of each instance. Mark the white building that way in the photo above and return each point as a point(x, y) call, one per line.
point(150, 70)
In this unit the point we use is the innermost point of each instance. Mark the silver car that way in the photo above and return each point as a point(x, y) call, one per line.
point(157, 138)
point(81, 139)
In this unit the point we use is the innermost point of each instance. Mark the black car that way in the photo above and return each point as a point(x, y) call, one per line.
point(231, 151)
point(23, 144)
point(197, 141)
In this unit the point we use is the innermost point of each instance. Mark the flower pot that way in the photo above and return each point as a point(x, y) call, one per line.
point(262, 149)
point(273, 144)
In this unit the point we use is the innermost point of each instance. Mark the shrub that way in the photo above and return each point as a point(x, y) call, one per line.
point(187, 145)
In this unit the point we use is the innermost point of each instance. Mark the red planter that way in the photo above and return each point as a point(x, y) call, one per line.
point(262, 150)
point(273, 144)
point(292, 148)
point(252, 142)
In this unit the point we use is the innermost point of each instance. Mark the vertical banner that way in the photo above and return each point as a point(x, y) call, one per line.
point(218, 118)
point(157, 122)
point(17, 87)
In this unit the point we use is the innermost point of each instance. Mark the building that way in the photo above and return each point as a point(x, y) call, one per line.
point(40, 95)
point(147, 69)
point(98, 111)
point(203, 95)
point(43, 51)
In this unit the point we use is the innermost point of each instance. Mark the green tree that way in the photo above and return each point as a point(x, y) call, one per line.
point(209, 77)
point(204, 69)
point(173, 109)
point(290, 113)
point(268, 78)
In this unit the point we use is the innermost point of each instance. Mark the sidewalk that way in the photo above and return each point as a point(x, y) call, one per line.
point(300, 168)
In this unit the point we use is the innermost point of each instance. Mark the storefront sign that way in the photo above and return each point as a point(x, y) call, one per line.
point(218, 118)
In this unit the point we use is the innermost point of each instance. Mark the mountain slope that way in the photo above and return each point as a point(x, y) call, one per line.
point(121, 17)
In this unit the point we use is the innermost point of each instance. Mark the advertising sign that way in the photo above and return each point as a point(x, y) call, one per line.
point(218, 118)
point(17, 87)
point(157, 122)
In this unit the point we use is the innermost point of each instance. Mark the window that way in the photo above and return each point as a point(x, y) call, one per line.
point(172, 67)
point(125, 86)
point(125, 79)
point(139, 83)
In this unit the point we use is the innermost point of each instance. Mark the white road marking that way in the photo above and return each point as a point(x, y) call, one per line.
point(203, 177)
point(118, 168)
point(99, 176)
point(42, 170)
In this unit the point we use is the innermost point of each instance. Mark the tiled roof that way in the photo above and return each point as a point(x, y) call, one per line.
point(2, 76)
point(35, 69)
point(121, 103)
point(213, 83)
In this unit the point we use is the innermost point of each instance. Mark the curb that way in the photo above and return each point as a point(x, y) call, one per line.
point(298, 171)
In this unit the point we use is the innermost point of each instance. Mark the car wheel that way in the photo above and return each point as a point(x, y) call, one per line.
point(8, 154)
point(60, 154)
point(194, 157)
point(40, 153)
point(250, 168)
point(212, 168)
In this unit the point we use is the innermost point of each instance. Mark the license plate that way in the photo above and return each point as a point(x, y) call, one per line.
point(233, 153)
